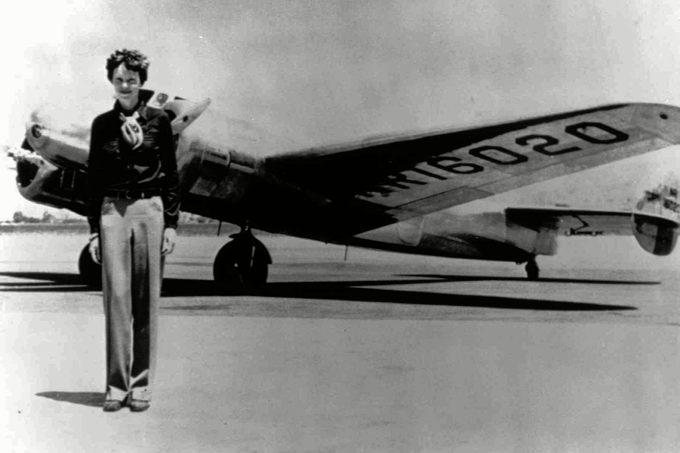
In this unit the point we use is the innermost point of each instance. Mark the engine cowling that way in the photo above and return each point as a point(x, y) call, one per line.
point(655, 220)
point(655, 235)
point(40, 181)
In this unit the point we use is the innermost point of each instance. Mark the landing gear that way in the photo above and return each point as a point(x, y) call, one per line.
point(242, 265)
point(90, 272)
point(532, 269)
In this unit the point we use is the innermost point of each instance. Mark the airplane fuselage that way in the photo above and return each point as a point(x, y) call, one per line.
point(377, 194)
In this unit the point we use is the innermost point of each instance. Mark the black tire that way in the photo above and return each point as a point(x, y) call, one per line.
point(90, 272)
point(242, 266)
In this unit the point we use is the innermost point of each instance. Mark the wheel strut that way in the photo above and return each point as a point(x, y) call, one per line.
point(532, 269)
point(242, 263)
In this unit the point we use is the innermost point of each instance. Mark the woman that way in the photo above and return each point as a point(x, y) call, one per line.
point(134, 210)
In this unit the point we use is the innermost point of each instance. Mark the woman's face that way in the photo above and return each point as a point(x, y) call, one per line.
point(126, 84)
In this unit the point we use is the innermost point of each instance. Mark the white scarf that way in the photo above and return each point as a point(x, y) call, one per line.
point(132, 131)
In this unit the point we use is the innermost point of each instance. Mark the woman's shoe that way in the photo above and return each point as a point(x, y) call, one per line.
point(138, 405)
point(112, 405)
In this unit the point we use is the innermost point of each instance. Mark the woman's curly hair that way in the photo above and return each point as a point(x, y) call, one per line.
point(134, 60)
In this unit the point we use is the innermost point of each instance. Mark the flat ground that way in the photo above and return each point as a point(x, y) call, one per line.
point(378, 352)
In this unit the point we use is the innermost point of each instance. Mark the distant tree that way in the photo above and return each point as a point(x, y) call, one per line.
point(19, 217)
point(73, 220)
point(47, 217)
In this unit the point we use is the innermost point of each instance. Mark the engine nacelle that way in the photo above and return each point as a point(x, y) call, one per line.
point(655, 221)
point(57, 147)
point(43, 182)
point(657, 236)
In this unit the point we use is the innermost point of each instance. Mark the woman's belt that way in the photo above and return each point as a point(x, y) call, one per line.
point(132, 194)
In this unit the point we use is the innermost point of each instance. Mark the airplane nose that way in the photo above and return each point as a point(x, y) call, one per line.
point(56, 146)
point(36, 131)
point(35, 135)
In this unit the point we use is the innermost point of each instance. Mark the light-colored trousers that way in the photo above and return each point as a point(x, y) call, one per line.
point(131, 234)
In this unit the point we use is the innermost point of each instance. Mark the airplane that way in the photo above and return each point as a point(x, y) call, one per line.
point(394, 193)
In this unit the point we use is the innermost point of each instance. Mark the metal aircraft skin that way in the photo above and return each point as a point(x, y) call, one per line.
point(393, 193)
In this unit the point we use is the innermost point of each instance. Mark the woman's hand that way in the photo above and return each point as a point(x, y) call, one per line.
point(169, 236)
point(93, 247)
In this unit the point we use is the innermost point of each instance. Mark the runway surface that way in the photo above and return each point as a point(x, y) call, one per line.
point(378, 352)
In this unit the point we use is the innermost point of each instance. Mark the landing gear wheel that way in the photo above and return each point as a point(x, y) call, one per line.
point(90, 272)
point(242, 265)
point(532, 269)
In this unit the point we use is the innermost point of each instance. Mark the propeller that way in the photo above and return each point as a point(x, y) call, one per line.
point(18, 152)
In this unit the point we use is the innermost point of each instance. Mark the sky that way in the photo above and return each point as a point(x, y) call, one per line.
point(318, 72)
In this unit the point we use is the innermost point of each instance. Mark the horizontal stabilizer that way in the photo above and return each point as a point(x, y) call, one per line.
point(656, 232)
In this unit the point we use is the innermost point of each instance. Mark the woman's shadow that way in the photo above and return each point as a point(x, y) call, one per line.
point(93, 399)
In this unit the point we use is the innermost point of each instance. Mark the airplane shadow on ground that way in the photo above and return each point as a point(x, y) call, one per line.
point(347, 290)
point(92, 399)
point(342, 291)
point(474, 278)
point(364, 291)
point(43, 282)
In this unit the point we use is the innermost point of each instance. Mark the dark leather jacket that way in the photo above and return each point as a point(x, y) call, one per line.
point(114, 165)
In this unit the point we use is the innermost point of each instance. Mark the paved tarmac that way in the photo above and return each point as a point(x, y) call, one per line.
point(376, 353)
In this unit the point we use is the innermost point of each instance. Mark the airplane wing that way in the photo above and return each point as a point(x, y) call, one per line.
point(403, 177)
